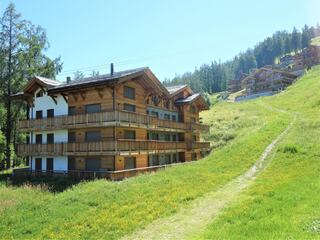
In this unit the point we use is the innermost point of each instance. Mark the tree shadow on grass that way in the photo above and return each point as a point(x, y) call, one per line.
point(53, 184)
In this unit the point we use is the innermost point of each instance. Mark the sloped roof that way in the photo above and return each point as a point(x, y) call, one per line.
point(173, 89)
point(149, 79)
point(101, 78)
point(37, 81)
point(48, 82)
point(187, 99)
point(194, 97)
point(255, 73)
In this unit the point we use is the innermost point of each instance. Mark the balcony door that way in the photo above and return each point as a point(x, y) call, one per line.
point(71, 163)
point(93, 164)
point(129, 162)
point(49, 164)
point(38, 164)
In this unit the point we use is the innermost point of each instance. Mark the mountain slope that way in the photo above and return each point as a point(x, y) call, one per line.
point(110, 210)
point(284, 201)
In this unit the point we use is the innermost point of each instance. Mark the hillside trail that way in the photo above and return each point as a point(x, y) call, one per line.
point(193, 220)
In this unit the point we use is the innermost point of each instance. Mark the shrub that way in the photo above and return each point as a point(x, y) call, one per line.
point(290, 149)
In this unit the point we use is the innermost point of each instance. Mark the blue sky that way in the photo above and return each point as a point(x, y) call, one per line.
point(169, 36)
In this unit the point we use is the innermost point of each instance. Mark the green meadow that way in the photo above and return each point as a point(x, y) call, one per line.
point(281, 204)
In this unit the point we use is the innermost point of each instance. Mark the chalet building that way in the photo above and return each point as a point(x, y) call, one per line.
point(234, 85)
point(110, 123)
point(267, 80)
point(307, 58)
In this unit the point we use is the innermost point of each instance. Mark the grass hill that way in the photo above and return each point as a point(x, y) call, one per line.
point(282, 202)
point(315, 41)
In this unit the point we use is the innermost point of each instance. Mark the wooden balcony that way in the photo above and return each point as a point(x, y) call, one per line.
point(112, 118)
point(105, 148)
point(201, 145)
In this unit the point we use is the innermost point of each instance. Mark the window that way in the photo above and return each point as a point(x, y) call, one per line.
point(71, 110)
point(27, 139)
point(154, 114)
point(162, 159)
point(93, 136)
point(129, 162)
point(50, 113)
point(129, 134)
point(193, 119)
point(167, 137)
point(192, 109)
point(38, 138)
point(174, 118)
point(50, 138)
point(38, 114)
point(166, 116)
point(49, 164)
point(93, 108)
point(180, 137)
point(38, 164)
point(194, 156)
point(39, 94)
point(129, 92)
point(129, 107)
point(71, 163)
point(108, 163)
point(155, 100)
point(153, 160)
point(174, 137)
point(174, 158)
point(167, 158)
point(194, 138)
point(93, 164)
point(71, 137)
point(153, 136)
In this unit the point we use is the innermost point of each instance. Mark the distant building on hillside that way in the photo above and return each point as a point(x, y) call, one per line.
point(305, 59)
point(234, 85)
point(267, 80)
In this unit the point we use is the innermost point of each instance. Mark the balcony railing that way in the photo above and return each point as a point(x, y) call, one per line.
point(111, 118)
point(91, 148)
point(201, 145)
point(103, 147)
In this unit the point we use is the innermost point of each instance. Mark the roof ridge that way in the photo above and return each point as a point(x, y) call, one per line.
point(109, 74)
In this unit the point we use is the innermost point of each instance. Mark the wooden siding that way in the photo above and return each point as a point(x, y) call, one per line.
point(141, 134)
point(106, 133)
point(141, 161)
point(139, 100)
point(107, 162)
point(101, 96)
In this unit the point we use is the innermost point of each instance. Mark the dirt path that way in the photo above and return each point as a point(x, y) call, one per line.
point(194, 219)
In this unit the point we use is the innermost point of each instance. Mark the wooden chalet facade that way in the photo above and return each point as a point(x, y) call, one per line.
point(267, 80)
point(110, 123)
point(234, 85)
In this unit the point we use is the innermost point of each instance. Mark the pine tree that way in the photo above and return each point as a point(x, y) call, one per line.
point(21, 50)
point(305, 37)
point(296, 40)
point(78, 75)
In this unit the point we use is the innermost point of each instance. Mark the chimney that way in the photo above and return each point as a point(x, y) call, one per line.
point(111, 69)
point(68, 79)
